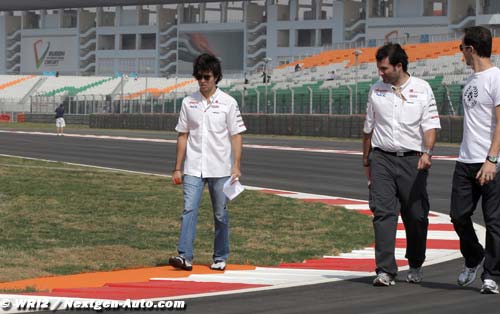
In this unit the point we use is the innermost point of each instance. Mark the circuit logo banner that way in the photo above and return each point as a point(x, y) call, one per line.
point(37, 47)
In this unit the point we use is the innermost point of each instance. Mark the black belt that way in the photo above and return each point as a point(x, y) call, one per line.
point(399, 154)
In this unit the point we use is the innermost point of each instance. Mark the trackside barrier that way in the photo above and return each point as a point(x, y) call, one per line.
point(4, 117)
point(341, 126)
point(20, 117)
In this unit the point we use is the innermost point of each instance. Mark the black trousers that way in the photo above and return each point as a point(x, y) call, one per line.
point(398, 186)
point(465, 195)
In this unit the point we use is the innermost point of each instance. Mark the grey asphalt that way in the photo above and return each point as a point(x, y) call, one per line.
point(319, 173)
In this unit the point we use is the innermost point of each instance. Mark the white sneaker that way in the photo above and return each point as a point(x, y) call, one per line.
point(218, 265)
point(468, 275)
point(384, 280)
point(415, 275)
point(489, 287)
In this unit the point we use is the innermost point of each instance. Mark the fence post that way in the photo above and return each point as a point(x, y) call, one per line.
point(258, 100)
point(274, 100)
point(330, 101)
point(310, 99)
point(242, 98)
point(350, 99)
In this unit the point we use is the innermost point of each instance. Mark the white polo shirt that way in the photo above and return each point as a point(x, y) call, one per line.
point(398, 124)
point(210, 126)
point(481, 96)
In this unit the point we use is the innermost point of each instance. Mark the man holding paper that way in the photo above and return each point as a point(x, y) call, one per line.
point(210, 144)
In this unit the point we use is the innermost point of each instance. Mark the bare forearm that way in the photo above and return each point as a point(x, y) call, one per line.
point(367, 146)
point(237, 146)
point(430, 138)
point(495, 143)
point(181, 150)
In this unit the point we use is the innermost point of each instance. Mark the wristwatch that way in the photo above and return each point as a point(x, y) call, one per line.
point(492, 159)
point(428, 152)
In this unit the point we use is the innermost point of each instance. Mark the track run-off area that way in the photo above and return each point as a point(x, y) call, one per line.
point(326, 171)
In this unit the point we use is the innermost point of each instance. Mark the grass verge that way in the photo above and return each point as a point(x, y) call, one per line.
point(61, 219)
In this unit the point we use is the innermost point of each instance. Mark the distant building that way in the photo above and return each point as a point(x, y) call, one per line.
point(89, 39)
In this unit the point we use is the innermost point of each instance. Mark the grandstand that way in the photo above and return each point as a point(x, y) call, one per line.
point(135, 56)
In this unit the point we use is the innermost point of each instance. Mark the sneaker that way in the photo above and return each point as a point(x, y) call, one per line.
point(218, 265)
point(489, 287)
point(415, 275)
point(180, 262)
point(383, 280)
point(468, 275)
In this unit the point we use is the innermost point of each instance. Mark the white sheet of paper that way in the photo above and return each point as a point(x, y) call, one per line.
point(232, 190)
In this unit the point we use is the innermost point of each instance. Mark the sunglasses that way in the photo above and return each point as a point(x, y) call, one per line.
point(462, 47)
point(206, 77)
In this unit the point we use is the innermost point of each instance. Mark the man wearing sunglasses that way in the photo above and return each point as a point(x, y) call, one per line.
point(476, 171)
point(209, 144)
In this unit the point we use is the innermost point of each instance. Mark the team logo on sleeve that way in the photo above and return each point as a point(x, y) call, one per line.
point(470, 96)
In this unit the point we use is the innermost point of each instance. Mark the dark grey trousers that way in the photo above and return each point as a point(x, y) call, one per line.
point(465, 195)
point(397, 186)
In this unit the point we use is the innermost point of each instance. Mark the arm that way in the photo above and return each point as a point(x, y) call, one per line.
point(488, 171)
point(237, 144)
point(179, 157)
point(367, 136)
point(429, 141)
point(367, 146)
point(430, 124)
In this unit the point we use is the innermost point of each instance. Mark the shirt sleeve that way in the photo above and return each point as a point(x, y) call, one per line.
point(370, 116)
point(182, 123)
point(234, 121)
point(495, 91)
point(430, 117)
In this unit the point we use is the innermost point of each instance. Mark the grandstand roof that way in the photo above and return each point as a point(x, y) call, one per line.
point(58, 4)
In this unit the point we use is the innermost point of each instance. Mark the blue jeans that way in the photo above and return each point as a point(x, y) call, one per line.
point(193, 190)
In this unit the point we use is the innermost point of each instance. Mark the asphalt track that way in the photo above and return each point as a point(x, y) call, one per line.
point(311, 172)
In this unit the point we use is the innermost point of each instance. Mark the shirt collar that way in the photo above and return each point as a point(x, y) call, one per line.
point(212, 98)
point(402, 87)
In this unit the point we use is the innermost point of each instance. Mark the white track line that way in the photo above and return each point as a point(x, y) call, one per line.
point(254, 146)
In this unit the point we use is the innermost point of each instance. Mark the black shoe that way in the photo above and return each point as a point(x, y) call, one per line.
point(180, 262)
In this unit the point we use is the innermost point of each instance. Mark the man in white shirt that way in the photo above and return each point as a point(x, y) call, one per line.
point(399, 135)
point(476, 171)
point(210, 144)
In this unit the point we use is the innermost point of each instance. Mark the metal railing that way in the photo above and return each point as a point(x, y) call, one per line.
point(296, 100)
point(87, 104)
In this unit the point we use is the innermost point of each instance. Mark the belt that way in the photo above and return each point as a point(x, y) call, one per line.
point(399, 154)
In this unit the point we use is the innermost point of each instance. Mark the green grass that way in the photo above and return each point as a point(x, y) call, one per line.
point(27, 289)
point(61, 219)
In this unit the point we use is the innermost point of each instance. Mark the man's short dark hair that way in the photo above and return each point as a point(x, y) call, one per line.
point(207, 63)
point(396, 55)
point(480, 38)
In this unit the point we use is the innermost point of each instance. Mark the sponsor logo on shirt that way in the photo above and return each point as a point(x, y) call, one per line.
point(381, 92)
point(470, 96)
